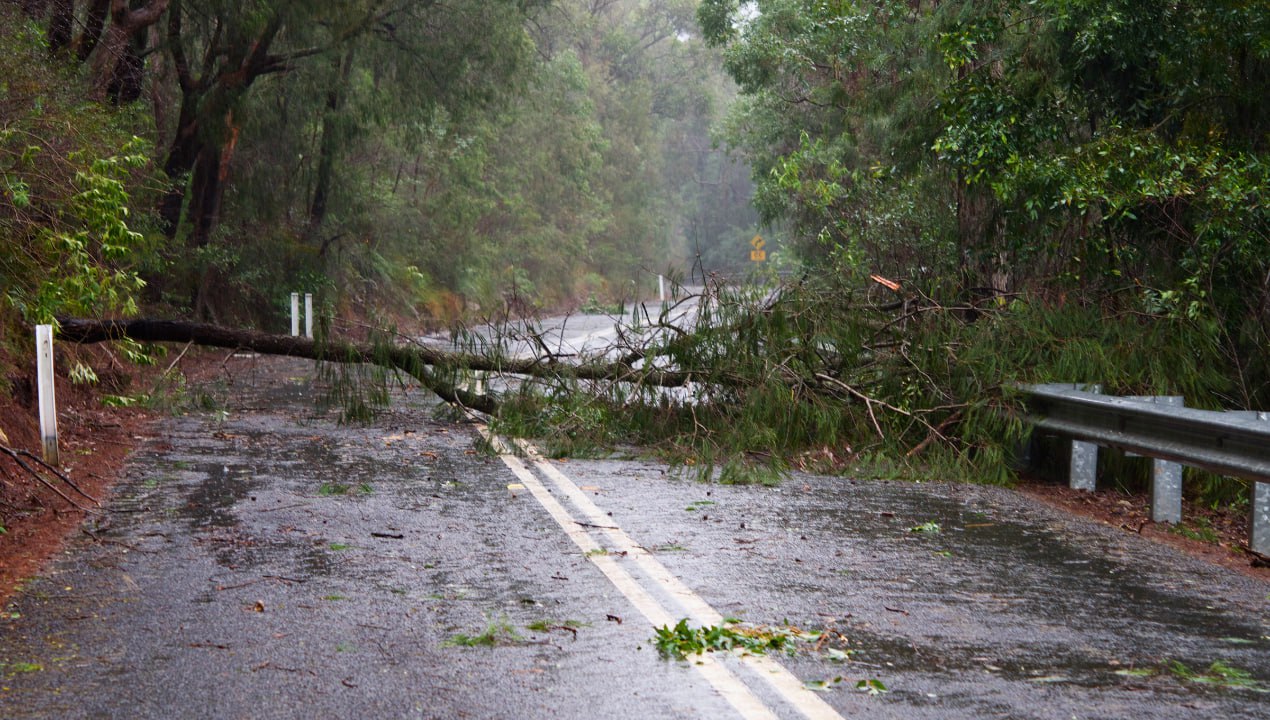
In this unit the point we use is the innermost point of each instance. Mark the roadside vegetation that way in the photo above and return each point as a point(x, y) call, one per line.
point(980, 194)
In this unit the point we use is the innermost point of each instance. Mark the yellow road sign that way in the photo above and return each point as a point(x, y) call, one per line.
point(758, 254)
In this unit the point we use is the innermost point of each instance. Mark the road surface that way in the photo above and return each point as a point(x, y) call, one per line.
point(267, 561)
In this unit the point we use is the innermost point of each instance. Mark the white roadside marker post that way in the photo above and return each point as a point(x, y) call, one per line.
point(295, 314)
point(48, 405)
point(308, 315)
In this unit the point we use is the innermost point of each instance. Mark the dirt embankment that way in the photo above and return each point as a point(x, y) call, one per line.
point(94, 442)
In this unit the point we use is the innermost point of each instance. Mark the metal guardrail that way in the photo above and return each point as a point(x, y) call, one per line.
point(1227, 443)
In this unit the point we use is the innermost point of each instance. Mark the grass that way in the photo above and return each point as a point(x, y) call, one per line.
point(1218, 674)
point(542, 626)
point(497, 632)
point(1198, 528)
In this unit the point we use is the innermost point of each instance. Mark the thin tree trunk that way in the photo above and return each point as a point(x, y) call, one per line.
point(329, 144)
point(61, 25)
point(207, 190)
point(413, 361)
point(98, 11)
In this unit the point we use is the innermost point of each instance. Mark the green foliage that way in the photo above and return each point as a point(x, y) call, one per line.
point(67, 198)
point(871, 686)
point(683, 640)
point(473, 161)
point(572, 423)
point(1053, 186)
point(359, 390)
point(92, 250)
point(822, 374)
point(497, 632)
point(1218, 673)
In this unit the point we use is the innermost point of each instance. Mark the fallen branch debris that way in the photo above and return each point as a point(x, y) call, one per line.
point(415, 359)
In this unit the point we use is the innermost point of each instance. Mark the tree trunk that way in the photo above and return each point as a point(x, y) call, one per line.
point(109, 63)
point(206, 133)
point(61, 25)
point(415, 360)
point(126, 87)
point(207, 190)
point(185, 149)
point(329, 144)
point(98, 11)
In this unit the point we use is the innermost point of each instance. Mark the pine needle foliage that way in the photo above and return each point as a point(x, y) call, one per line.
point(826, 374)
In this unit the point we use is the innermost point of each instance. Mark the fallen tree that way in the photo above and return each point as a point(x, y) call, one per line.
point(417, 360)
point(414, 360)
point(735, 348)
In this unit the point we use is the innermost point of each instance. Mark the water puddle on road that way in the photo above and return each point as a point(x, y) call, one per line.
point(212, 501)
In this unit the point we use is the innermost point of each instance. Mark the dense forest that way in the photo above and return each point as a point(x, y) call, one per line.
point(965, 195)
point(423, 159)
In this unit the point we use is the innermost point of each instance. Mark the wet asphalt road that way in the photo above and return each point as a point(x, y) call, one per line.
point(276, 564)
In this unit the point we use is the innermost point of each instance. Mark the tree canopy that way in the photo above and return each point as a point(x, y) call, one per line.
point(415, 156)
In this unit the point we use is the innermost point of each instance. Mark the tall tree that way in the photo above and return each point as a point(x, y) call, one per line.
point(113, 65)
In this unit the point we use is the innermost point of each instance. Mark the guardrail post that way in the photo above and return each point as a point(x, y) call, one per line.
point(1084, 470)
point(44, 379)
point(1083, 474)
point(1259, 525)
point(308, 315)
point(1223, 442)
point(1259, 519)
point(1166, 476)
